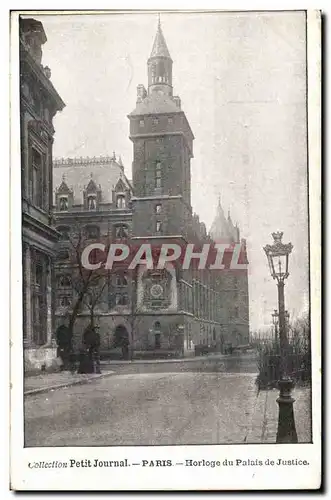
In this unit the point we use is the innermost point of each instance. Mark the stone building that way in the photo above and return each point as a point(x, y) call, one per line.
point(171, 310)
point(39, 102)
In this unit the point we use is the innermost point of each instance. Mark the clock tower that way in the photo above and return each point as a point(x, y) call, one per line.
point(162, 151)
point(161, 205)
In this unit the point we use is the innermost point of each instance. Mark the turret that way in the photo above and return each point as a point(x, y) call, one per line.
point(160, 66)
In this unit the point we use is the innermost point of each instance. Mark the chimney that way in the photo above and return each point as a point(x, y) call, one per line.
point(34, 37)
point(141, 93)
point(177, 101)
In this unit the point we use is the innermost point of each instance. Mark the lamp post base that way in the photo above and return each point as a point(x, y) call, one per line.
point(286, 432)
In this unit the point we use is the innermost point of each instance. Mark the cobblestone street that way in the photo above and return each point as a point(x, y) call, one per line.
point(148, 409)
point(161, 404)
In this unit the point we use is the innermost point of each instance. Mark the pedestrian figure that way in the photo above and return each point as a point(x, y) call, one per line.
point(85, 365)
point(125, 351)
point(92, 343)
point(63, 340)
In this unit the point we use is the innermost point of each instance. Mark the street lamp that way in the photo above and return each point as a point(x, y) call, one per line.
point(278, 257)
point(287, 321)
point(275, 322)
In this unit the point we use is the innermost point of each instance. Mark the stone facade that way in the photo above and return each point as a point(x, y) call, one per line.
point(39, 104)
point(171, 310)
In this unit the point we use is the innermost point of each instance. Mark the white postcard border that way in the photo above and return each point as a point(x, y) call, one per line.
point(25, 477)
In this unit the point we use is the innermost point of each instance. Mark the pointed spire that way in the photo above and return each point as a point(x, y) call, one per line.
point(114, 156)
point(120, 161)
point(63, 177)
point(160, 48)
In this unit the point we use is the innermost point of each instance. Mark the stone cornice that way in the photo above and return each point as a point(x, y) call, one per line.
point(39, 227)
point(38, 72)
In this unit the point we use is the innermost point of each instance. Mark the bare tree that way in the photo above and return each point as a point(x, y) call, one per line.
point(87, 284)
point(94, 294)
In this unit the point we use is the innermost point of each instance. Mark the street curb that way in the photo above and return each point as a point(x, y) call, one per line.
point(41, 390)
point(156, 361)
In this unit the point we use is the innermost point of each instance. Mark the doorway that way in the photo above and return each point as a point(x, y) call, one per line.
point(121, 339)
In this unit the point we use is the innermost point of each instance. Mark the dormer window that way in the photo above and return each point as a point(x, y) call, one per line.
point(120, 201)
point(63, 203)
point(170, 120)
point(155, 121)
point(141, 123)
point(64, 196)
point(91, 202)
point(92, 195)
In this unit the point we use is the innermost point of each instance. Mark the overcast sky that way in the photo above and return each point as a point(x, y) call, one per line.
point(242, 81)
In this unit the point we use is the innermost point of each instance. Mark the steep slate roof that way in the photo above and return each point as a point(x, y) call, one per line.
point(160, 48)
point(77, 172)
point(156, 104)
point(63, 189)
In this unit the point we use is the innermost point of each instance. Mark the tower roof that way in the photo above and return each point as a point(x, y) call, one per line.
point(222, 228)
point(160, 48)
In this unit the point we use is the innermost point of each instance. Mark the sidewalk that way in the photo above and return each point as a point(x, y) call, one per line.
point(45, 382)
point(264, 423)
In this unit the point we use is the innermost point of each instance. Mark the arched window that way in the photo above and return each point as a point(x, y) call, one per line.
point(121, 279)
point(153, 72)
point(120, 201)
point(91, 202)
point(63, 203)
point(158, 226)
point(158, 175)
point(157, 335)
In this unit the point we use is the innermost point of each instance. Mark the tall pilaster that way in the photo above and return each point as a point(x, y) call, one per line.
point(27, 296)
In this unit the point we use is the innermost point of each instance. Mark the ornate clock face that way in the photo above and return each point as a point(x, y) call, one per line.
point(156, 291)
